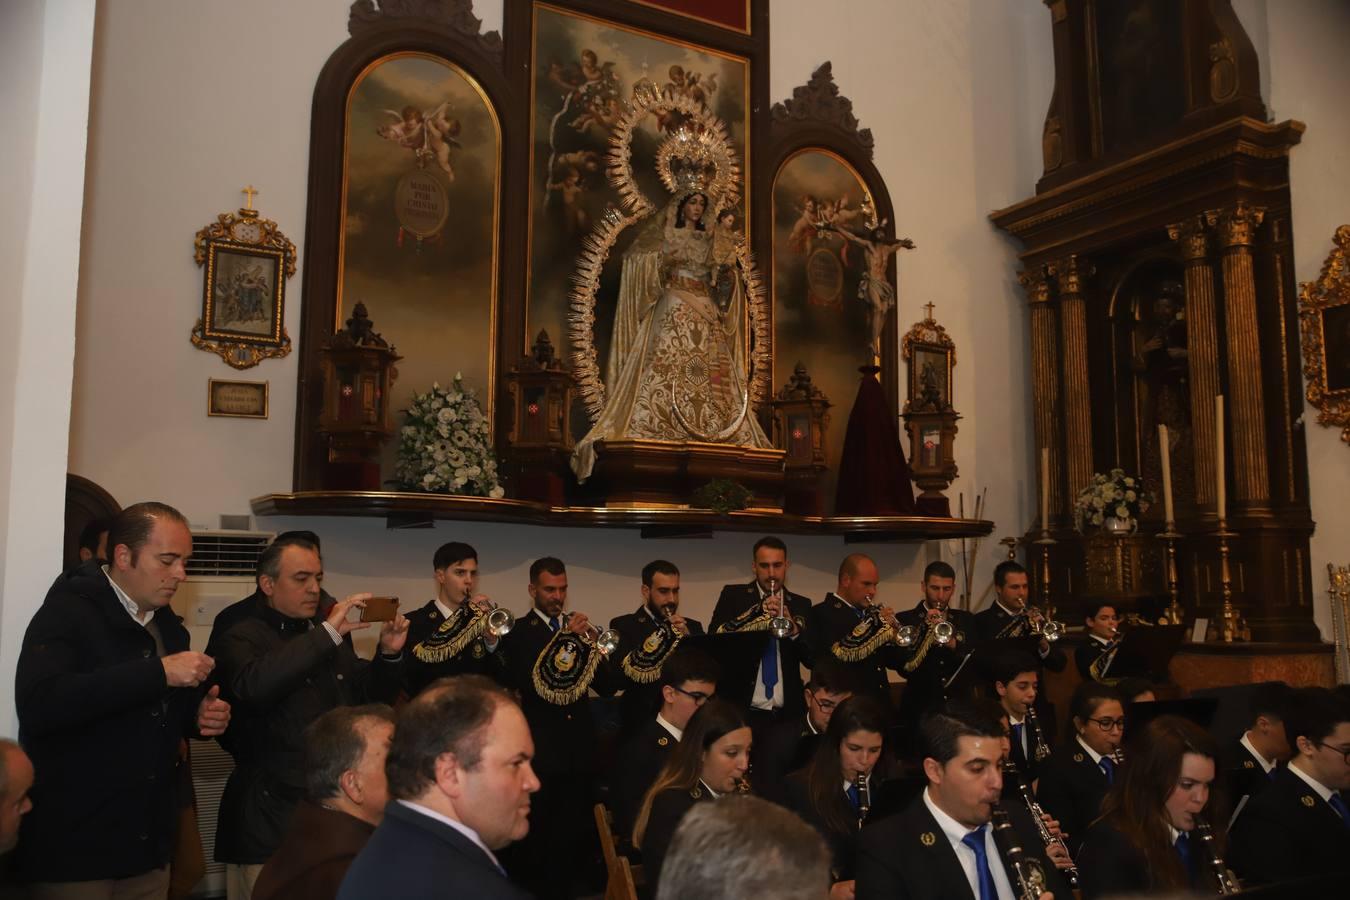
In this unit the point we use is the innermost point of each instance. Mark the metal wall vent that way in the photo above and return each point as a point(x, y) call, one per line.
point(226, 552)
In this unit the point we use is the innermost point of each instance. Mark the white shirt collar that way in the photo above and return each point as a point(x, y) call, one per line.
point(128, 604)
point(1265, 764)
point(1099, 639)
point(540, 613)
point(1321, 789)
point(954, 830)
point(999, 604)
point(1012, 721)
point(455, 824)
point(676, 733)
point(848, 783)
point(446, 612)
point(955, 833)
point(711, 793)
point(1172, 830)
point(1096, 757)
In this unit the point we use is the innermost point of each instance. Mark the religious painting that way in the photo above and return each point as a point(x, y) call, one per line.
point(585, 72)
point(930, 379)
point(420, 209)
point(1141, 65)
point(822, 227)
point(1324, 317)
point(244, 291)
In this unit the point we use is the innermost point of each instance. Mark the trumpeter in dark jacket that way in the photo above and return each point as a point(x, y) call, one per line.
point(1008, 617)
point(439, 633)
point(104, 701)
point(843, 611)
point(930, 668)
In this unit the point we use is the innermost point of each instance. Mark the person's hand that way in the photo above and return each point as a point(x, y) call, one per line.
point(1058, 855)
point(213, 714)
point(841, 890)
point(1043, 648)
point(1052, 824)
point(934, 615)
point(578, 623)
point(337, 616)
point(482, 603)
point(393, 636)
point(888, 616)
point(773, 604)
point(906, 243)
point(187, 669)
point(678, 624)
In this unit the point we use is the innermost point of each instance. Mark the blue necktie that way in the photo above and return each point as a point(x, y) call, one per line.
point(1017, 731)
point(1183, 847)
point(1108, 767)
point(553, 623)
point(769, 666)
point(853, 796)
point(975, 841)
point(1339, 805)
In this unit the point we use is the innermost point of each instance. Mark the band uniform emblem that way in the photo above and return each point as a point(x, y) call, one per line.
point(565, 658)
point(1308, 801)
point(928, 839)
point(662, 741)
point(1078, 757)
point(652, 643)
point(696, 792)
point(1248, 764)
point(478, 650)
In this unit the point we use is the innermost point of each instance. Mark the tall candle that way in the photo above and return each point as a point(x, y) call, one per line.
point(1221, 499)
point(1166, 453)
point(1045, 488)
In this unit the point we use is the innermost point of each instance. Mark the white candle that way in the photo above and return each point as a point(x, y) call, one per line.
point(1166, 453)
point(1221, 499)
point(1045, 488)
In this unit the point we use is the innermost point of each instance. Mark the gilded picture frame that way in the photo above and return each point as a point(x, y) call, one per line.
point(1324, 318)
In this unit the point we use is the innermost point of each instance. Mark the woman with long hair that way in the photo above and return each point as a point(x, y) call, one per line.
point(828, 793)
point(1149, 837)
point(709, 762)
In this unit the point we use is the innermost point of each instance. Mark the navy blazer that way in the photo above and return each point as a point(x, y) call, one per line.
point(415, 857)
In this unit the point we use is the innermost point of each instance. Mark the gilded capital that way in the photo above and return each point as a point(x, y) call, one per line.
point(1071, 272)
point(1237, 224)
point(1193, 236)
point(1035, 284)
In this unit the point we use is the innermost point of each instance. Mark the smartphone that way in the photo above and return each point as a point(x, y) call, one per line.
point(380, 609)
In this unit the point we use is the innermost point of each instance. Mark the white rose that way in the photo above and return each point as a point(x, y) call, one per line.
point(1131, 496)
point(1129, 482)
point(1122, 512)
point(497, 493)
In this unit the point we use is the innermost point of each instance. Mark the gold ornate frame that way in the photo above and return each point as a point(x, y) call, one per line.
point(243, 233)
point(927, 335)
point(1331, 291)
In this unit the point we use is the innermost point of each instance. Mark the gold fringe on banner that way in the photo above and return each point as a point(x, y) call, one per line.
point(643, 665)
point(454, 634)
point(868, 636)
point(564, 670)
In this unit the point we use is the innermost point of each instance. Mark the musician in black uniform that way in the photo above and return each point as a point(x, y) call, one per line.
point(788, 746)
point(942, 845)
point(438, 632)
point(659, 622)
point(688, 680)
point(1016, 683)
point(1009, 616)
point(553, 694)
point(1103, 624)
point(1300, 824)
point(709, 762)
point(1149, 837)
point(1073, 781)
point(1250, 761)
point(844, 610)
point(766, 676)
point(930, 667)
point(836, 791)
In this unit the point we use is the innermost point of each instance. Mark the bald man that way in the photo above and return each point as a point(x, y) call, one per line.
point(835, 617)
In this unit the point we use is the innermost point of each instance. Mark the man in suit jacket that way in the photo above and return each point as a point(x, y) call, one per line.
point(345, 795)
point(943, 846)
point(1017, 680)
point(688, 679)
point(930, 668)
point(1007, 618)
point(765, 674)
point(1300, 824)
point(1251, 760)
point(835, 617)
point(434, 653)
point(645, 642)
point(789, 745)
point(106, 690)
point(461, 779)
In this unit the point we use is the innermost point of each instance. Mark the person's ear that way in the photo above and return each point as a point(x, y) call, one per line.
point(1001, 688)
point(121, 556)
point(668, 693)
point(350, 783)
point(449, 776)
point(933, 769)
point(267, 585)
point(646, 594)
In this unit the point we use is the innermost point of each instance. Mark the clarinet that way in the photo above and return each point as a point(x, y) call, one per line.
point(1026, 873)
point(1040, 751)
point(1223, 878)
point(1038, 816)
point(864, 797)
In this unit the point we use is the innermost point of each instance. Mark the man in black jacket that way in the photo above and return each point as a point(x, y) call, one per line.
point(282, 667)
point(107, 689)
point(437, 632)
point(1250, 761)
point(1008, 617)
point(833, 618)
point(930, 667)
point(943, 845)
point(765, 674)
point(460, 775)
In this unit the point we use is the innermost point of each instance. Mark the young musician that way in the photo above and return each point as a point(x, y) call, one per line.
point(844, 612)
point(1149, 837)
point(942, 845)
point(835, 792)
point(930, 666)
point(1250, 761)
point(1300, 824)
point(1076, 777)
point(789, 745)
point(1008, 616)
point(1017, 678)
point(448, 635)
point(1102, 626)
point(709, 762)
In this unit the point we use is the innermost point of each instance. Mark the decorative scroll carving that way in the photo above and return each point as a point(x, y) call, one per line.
point(1237, 224)
point(456, 14)
point(1324, 314)
point(1223, 76)
point(819, 100)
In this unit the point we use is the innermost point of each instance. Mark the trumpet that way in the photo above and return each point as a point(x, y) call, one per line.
point(500, 620)
point(943, 632)
point(780, 625)
point(1049, 838)
point(1043, 626)
point(860, 781)
point(1108, 655)
point(606, 641)
point(1026, 873)
point(1223, 878)
point(1041, 750)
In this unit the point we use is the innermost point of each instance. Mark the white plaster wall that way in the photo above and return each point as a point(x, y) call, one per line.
point(193, 100)
point(45, 50)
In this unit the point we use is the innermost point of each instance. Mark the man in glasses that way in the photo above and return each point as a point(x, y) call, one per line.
point(688, 680)
point(1299, 826)
point(1073, 781)
point(790, 745)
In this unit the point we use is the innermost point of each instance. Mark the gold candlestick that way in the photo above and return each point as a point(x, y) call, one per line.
point(1174, 614)
point(1011, 543)
point(1230, 623)
point(1045, 542)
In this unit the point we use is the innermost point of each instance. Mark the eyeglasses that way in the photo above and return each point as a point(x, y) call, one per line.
point(1343, 751)
point(825, 705)
point(698, 697)
point(1108, 724)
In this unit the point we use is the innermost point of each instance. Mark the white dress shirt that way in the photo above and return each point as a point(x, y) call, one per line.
point(142, 619)
point(1268, 765)
point(1093, 754)
point(956, 833)
point(1023, 723)
point(458, 826)
point(1318, 787)
point(760, 699)
point(676, 733)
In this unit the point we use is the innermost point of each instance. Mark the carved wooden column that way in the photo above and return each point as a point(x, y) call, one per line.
point(1045, 380)
point(1070, 273)
point(1247, 421)
point(1202, 350)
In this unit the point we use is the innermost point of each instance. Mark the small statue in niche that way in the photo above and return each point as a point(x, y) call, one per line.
point(1162, 371)
point(930, 395)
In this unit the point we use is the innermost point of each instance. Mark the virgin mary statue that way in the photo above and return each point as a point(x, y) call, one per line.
point(677, 369)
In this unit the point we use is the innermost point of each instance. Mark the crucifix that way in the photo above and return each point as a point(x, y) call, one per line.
point(929, 306)
point(249, 192)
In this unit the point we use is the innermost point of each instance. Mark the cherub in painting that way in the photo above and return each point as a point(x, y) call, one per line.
point(429, 134)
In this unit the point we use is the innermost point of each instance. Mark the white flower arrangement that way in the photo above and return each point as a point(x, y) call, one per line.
point(1114, 495)
point(445, 446)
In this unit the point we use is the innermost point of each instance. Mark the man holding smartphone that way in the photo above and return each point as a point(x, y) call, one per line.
point(282, 666)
